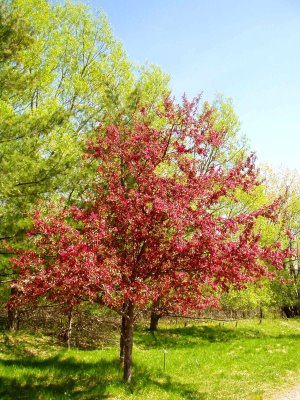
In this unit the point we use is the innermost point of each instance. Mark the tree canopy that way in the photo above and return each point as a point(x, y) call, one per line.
point(149, 227)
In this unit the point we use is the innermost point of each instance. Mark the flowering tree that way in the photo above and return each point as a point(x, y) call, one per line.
point(150, 228)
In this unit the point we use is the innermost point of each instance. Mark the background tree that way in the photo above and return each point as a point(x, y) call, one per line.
point(286, 289)
point(281, 292)
point(254, 298)
point(72, 72)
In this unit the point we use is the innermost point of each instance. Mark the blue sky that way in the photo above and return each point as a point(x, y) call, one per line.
point(246, 50)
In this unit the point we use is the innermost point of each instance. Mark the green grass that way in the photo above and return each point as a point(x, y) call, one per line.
point(204, 361)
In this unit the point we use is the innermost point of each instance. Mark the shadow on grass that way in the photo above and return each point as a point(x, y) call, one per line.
point(58, 378)
point(53, 378)
point(193, 336)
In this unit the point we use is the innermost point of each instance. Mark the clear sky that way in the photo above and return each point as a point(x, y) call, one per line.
point(246, 50)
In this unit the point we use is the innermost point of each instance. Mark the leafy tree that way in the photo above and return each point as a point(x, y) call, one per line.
point(15, 37)
point(61, 70)
point(148, 229)
point(283, 290)
point(286, 289)
point(253, 297)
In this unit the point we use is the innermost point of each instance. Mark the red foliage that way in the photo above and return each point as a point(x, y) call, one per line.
point(151, 229)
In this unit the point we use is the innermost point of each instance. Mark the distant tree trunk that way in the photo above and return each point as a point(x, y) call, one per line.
point(261, 315)
point(12, 314)
point(69, 329)
point(128, 341)
point(155, 316)
point(291, 311)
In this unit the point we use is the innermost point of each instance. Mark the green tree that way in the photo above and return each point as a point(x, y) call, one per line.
point(62, 81)
point(286, 289)
point(283, 290)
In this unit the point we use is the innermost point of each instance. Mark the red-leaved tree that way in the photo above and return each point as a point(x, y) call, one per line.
point(150, 228)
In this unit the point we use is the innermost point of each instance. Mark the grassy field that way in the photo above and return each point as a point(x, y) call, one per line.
point(203, 361)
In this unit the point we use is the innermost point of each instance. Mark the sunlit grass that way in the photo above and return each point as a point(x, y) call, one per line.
point(204, 361)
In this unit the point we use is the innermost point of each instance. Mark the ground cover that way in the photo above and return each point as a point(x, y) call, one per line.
point(203, 361)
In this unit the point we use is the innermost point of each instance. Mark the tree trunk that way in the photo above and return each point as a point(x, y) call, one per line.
point(12, 314)
point(128, 342)
point(261, 315)
point(122, 341)
point(154, 321)
point(291, 311)
point(69, 330)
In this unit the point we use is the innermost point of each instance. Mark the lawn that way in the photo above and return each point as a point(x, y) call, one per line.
point(203, 361)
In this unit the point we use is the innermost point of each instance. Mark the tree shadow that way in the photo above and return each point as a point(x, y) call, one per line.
point(195, 336)
point(56, 379)
point(61, 378)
